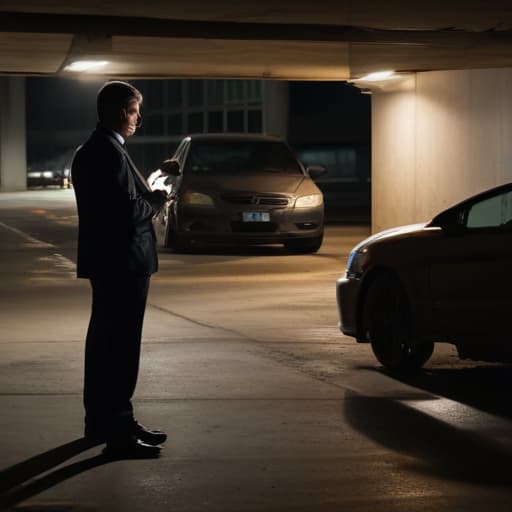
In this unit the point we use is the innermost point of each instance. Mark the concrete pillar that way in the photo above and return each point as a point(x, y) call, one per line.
point(393, 159)
point(13, 154)
point(448, 137)
point(275, 108)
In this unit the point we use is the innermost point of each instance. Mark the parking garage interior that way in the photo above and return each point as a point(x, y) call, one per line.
point(269, 407)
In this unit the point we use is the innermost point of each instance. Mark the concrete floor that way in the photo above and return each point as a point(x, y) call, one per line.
point(267, 405)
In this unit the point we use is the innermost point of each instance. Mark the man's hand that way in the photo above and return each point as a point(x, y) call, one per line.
point(156, 199)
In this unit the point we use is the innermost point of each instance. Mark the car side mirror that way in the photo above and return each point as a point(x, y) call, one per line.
point(316, 170)
point(170, 167)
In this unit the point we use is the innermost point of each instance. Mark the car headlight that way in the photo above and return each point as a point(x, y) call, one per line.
point(197, 199)
point(309, 201)
point(356, 262)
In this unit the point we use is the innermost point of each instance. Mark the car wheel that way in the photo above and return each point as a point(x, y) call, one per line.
point(388, 325)
point(305, 245)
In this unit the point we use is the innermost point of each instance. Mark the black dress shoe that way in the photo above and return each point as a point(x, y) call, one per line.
point(130, 448)
point(152, 437)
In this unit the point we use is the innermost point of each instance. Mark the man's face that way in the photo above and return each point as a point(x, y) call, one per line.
point(130, 117)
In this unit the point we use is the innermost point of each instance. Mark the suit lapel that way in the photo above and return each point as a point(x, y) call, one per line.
point(139, 178)
point(142, 181)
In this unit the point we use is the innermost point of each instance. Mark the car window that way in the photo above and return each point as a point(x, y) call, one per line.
point(493, 212)
point(241, 157)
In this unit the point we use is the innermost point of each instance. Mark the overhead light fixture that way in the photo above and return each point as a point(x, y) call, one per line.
point(79, 66)
point(378, 76)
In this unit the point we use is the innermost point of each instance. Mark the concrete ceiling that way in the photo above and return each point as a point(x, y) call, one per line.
point(280, 39)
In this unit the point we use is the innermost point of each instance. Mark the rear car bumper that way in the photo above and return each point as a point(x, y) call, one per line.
point(347, 298)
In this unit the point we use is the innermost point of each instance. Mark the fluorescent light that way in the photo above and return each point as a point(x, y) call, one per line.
point(85, 65)
point(378, 76)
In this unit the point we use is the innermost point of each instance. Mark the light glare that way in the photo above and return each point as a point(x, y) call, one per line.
point(86, 65)
point(378, 76)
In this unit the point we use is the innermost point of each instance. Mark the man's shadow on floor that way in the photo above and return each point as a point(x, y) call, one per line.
point(28, 478)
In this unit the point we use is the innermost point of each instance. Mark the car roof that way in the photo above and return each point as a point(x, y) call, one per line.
point(232, 136)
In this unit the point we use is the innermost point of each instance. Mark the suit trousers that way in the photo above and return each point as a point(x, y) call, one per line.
point(112, 350)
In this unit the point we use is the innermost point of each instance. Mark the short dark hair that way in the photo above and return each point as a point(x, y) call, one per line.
point(113, 97)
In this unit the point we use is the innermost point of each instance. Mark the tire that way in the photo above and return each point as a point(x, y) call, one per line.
point(388, 325)
point(304, 245)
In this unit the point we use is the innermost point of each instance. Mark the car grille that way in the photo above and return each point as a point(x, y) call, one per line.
point(266, 200)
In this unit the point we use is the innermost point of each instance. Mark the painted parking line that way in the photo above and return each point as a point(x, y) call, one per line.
point(60, 260)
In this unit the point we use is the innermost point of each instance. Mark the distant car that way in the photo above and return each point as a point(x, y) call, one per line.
point(45, 178)
point(247, 189)
point(449, 280)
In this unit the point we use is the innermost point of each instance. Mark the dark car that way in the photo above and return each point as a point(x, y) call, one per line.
point(449, 280)
point(248, 189)
point(46, 178)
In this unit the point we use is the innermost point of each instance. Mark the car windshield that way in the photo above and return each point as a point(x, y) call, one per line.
point(241, 157)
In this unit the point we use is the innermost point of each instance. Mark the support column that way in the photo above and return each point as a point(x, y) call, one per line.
point(275, 104)
point(445, 139)
point(13, 139)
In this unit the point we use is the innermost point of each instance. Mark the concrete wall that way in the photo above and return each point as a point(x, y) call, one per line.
point(447, 137)
point(13, 154)
point(275, 108)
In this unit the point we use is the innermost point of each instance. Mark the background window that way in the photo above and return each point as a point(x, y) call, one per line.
point(254, 121)
point(195, 92)
point(215, 92)
point(154, 94)
point(339, 163)
point(153, 125)
point(174, 93)
point(215, 122)
point(254, 91)
point(175, 124)
point(195, 122)
point(235, 91)
point(236, 121)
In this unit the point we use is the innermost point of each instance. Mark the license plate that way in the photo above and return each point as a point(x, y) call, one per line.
point(256, 216)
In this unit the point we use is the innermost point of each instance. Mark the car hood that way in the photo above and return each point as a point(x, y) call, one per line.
point(254, 183)
point(390, 233)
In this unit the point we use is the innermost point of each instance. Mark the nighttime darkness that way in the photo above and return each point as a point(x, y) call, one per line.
point(255, 256)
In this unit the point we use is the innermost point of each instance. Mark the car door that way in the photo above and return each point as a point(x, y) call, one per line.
point(471, 275)
point(163, 217)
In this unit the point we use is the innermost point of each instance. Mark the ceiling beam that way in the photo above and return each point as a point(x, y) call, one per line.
point(152, 27)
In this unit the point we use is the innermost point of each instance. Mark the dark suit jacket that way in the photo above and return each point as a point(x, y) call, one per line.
point(115, 233)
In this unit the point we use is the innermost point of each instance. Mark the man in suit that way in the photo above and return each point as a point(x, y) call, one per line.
point(117, 253)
